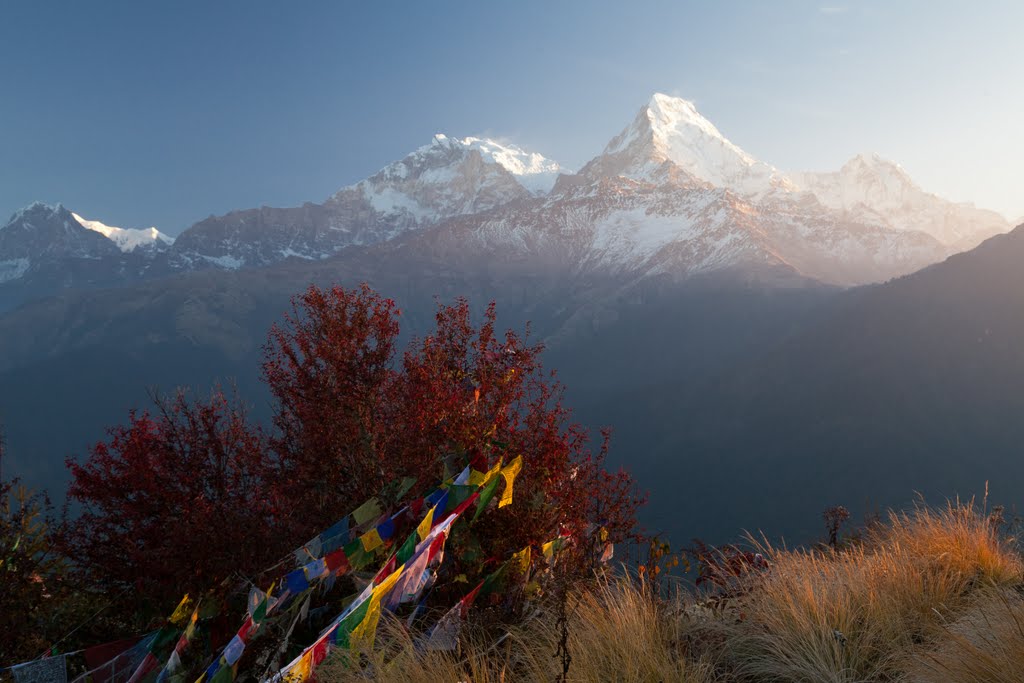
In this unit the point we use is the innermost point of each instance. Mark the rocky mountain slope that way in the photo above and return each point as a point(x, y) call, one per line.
point(449, 177)
point(668, 196)
point(47, 249)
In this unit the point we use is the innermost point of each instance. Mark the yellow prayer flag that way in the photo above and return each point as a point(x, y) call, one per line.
point(521, 560)
point(181, 612)
point(364, 634)
point(302, 669)
point(548, 549)
point(423, 530)
point(509, 473)
point(371, 540)
point(482, 478)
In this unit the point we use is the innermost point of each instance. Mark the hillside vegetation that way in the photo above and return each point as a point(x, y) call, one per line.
point(928, 596)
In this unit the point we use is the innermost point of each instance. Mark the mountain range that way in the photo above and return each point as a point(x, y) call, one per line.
point(725, 316)
point(668, 196)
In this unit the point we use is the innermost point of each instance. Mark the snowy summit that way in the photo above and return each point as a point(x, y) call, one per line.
point(126, 239)
point(534, 171)
point(671, 130)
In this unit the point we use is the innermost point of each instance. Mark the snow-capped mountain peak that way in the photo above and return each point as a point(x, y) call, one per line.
point(445, 178)
point(677, 126)
point(534, 171)
point(127, 239)
point(42, 234)
point(874, 190)
point(671, 130)
point(38, 210)
point(449, 177)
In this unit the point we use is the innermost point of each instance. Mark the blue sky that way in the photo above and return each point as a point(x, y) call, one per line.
point(142, 114)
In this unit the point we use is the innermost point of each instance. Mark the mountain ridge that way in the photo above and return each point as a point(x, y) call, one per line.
point(669, 195)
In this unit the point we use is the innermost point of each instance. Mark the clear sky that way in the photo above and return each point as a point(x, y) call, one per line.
point(139, 113)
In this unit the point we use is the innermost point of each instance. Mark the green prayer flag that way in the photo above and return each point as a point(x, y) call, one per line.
point(348, 624)
point(357, 557)
point(260, 613)
point(495, 581)
point(408, 548)
point(457, 495)
point(485, 496)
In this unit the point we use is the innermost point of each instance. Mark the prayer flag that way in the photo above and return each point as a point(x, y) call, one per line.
point(423, 530)
point(509, 473)
point(521, 560)
point(386, 529)
point(408, 548)
point(336, 562)
point(233, 652)
point(367, 512)
point(364, 634)
point(486, 494)
point(181, 612)
point(371, 540)
point(301, 671)
point(296, 581)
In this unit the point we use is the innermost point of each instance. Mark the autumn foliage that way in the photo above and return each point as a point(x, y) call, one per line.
point(195, 494)
point(174, 500)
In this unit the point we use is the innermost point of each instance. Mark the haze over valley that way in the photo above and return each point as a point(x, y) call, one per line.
point(725, 317)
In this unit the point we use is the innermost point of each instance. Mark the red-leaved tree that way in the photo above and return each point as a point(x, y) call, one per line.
point(174, 502)
point(351, 418)
point(329, 369)
point(184, 499)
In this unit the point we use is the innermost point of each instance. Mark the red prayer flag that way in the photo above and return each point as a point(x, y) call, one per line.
point(337, 562)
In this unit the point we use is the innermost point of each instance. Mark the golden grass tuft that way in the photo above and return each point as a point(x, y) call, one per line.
point(851, 615)
point(985, 645)
point(617, 632)
point(620, 632)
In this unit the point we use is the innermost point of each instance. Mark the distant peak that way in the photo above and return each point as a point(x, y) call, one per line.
point(872, 159)
point(672, 112)
point(874, 164)
point(512, 157)
point(533, 171)
point(37, 206)
point(670, 129)
point(127, 239)
point(36, 209)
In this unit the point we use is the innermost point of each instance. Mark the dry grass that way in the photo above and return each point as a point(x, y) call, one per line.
point(617, 633)
point(851, 615)
point(985, 645)
point(924, 598)
point(620, 633)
